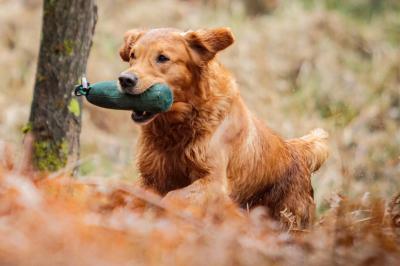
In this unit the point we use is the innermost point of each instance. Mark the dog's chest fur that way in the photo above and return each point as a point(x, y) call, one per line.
point(172, 156)
point(171, 161)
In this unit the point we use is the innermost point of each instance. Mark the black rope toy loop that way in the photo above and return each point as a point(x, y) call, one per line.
point(83, 88)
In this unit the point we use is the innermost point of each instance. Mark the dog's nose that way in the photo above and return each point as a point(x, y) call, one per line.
point(127, 80)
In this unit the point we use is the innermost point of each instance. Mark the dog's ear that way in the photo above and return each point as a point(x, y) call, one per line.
point(130, 37)
point(208, 42)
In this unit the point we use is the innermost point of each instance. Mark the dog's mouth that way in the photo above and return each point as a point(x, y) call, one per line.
point(143, 117)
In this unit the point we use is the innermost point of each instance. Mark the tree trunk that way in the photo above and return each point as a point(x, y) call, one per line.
point(55, 118)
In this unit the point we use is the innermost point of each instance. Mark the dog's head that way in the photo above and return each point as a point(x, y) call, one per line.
point(172, 57)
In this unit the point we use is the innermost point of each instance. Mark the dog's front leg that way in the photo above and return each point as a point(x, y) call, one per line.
point(214, 185)
point(207, 188)
point(200, 192)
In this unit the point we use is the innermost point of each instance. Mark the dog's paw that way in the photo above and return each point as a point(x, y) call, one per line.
point(184, 197)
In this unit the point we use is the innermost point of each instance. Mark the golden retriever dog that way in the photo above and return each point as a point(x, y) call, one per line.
point(209, 142)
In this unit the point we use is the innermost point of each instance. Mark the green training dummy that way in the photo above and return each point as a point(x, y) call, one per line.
point(158, 98)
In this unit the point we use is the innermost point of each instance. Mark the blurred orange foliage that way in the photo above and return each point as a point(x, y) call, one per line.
point(58, 220)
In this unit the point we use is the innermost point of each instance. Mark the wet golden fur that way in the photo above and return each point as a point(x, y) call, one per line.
point(209, 142)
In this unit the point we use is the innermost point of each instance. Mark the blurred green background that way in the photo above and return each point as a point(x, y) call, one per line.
point(300, 65)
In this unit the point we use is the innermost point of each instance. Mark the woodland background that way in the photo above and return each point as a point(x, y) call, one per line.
point(300, 65)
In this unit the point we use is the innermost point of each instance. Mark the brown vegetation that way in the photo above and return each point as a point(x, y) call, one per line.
point(305, 65)
point(61, 221)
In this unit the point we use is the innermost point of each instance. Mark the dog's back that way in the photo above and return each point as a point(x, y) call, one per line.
point(266, 170)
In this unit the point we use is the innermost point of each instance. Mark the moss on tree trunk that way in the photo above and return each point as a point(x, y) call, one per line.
point(55, 118)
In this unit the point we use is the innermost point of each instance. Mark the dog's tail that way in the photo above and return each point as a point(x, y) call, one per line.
point(314, 148)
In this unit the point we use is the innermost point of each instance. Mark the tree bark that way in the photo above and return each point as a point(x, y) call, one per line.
point(55, 118)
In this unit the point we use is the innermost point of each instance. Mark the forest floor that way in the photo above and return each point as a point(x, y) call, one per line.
point(299, 67)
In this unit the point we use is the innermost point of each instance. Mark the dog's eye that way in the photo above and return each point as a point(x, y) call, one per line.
point(162, 58)
point(132, 55)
